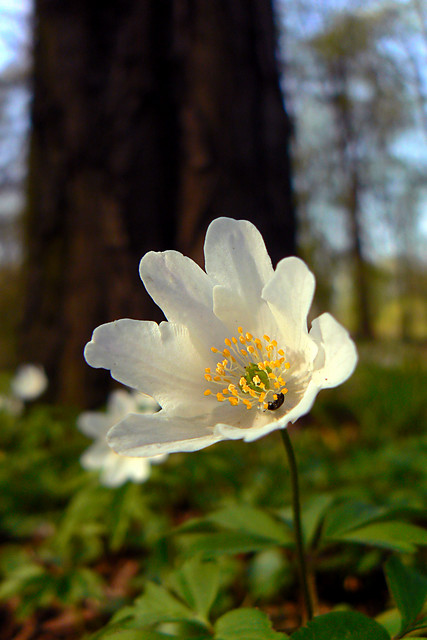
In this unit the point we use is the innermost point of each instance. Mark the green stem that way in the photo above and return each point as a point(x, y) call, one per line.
point(296, 510)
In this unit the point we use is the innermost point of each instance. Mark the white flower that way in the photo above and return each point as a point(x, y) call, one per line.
point(115, 469)
point(29, 382)
point(235, 359)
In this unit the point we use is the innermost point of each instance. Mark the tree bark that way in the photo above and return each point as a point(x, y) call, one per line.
point(351, 164)
point(149, 119)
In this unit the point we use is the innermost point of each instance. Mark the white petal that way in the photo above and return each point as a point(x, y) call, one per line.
point(289, 294)
point(120, 402)
point(95, 456)
point(144, 403)
point(340, 355)
point(305, 403)
point(94, 424)
point(339, 360)
point(235, 256)
point(234, 311)
point(260, 427)
point(157, 359)
point(183, 291)
point(150, 435)
point(119, 470)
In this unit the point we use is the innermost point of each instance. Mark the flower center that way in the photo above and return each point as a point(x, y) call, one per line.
point(250, 372)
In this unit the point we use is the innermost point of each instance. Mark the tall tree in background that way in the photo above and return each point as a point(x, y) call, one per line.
point(367, 100)
point(149, 119)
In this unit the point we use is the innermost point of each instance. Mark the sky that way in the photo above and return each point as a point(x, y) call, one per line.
point(14, 15)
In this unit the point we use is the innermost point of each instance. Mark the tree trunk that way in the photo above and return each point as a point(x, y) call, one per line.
point(149, 119)
point(351, 164)
point(363, 304)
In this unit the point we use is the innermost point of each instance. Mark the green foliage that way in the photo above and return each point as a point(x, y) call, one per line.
point(208, 539)
point(409, 590)
point(342, 625)
point(250, 624)
point(185, 611)
point(242, 529)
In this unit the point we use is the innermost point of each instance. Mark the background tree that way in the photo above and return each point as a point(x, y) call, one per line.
point(355, 103)
point(149, 119)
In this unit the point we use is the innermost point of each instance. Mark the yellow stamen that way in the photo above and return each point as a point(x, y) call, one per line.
point(243, 380)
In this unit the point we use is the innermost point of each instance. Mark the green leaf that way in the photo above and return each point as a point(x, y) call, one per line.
point(113, 632)
point(212, 545)
point(19, 579)
point(394, 535)
point(409, 590)
point(158, 605)
point(254, 521)
point(246, 624)
point(350, 515)
point(390, 620)
point(312, 515)
point(342, 625)
point(124, 503)
point(197, 583)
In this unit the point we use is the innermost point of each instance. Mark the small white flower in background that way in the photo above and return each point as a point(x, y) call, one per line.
point(29, 382)
point(115, 469)
point(235, 359)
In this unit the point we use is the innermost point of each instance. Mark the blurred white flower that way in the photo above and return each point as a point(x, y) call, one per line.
point(115, 469)
point(235, 359)
point(29, 382)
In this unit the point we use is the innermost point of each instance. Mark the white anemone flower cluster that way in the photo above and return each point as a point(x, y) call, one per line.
point(114, 469)
point(235, 359)
point(29, 382)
